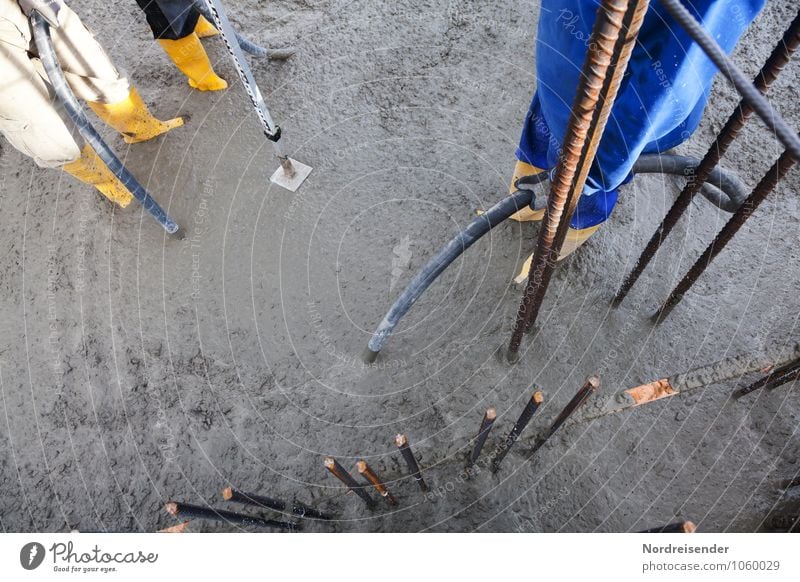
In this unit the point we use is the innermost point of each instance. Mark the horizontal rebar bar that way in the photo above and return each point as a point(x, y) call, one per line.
point(188, 511)
point(296, 508)
point(775, 378)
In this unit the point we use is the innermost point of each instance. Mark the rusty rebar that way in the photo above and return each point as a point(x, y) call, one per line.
point(768, 182)
point(366, 471)
point(295, 507)
point(613, 37)
point(189, 512)
point(483, 433)
point(341, 473)
point(781, 55)
point(772, 380)
point(531, 407)
point(179, 528)
point(790, 483)
point(408, 456)
point(677, 527)
point(590, 386)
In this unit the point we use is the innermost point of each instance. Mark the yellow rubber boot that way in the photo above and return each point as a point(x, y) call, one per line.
point(204, 29)
point(90, 169)
point(526, 214)
point(575, 238)
point(190, 57)
point(132, 119)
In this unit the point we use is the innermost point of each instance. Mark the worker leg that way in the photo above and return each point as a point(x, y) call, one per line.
point(90, 169)
point(204, 28)
point(30, 122)
point(93, 77)
point(659, 106)
point(177, 26)
point(28, 119)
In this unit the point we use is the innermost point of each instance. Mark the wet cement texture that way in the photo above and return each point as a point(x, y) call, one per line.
point(136, 369)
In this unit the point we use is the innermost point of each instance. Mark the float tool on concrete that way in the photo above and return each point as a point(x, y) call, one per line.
point(292, 173)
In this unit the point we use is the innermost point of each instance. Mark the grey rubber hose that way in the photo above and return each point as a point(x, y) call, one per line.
point(44, 45)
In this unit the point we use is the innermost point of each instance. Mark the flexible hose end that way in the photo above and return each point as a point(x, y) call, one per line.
point(368, 356)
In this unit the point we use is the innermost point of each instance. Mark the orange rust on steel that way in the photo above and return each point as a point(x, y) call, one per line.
point(341, 473)
point(781, 54)
point(180, 528)
point(483, 433)
point(651, 391)
point(613, 37)
point(364, 469)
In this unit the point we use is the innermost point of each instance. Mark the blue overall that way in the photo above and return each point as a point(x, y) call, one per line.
point(660, 101)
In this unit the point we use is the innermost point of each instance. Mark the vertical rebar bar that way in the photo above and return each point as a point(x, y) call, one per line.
point(296, 508)
point(483, 433)
point(677, 527)
point(613, 37)
point(527, 413)
point(781, 54)
point(187, 511)
point(341, 473)
point(366, 471)
point(768, 182)
point(590, 386)
point(402, 443)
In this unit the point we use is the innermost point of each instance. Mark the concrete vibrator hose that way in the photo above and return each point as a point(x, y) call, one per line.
point(44, 45)
point(723, 189)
